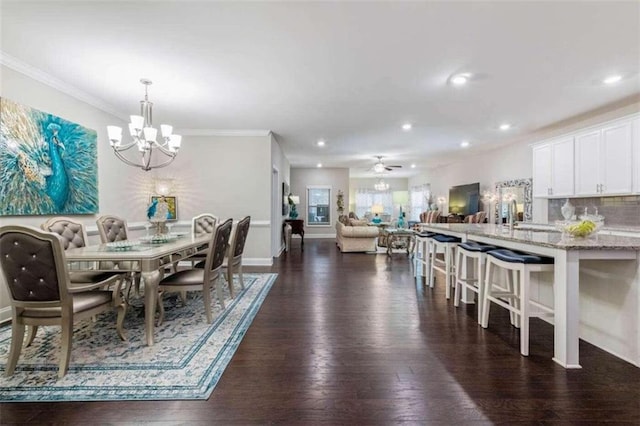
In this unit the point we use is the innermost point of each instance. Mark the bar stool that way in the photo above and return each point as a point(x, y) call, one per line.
point(421, 251)
point(518, 267)
point(477, 254)
point(444, 244)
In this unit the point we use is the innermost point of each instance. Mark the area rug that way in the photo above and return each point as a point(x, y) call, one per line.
point(186, 361)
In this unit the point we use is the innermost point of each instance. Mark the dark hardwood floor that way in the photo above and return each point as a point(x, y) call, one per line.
point(353, 339)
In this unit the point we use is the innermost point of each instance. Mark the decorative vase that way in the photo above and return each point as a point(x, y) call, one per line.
point(568, 210)
point(293, 214)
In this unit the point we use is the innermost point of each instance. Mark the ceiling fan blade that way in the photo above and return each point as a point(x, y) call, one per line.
point(395, 166)
point(388, 169)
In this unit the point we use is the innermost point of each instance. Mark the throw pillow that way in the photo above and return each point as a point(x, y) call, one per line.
point(355, 222)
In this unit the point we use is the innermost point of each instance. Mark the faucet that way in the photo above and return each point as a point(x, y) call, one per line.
point(512, 213)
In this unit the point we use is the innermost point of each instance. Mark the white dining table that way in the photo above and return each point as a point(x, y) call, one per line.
point(146, 258)
point(567, 254)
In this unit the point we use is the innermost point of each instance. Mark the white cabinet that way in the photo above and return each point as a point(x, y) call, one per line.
point(553, 169)
point(604, 160)
point(542, 170)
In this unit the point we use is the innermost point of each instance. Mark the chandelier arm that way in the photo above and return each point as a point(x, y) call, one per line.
point(126, 160)
point(122, 148)
point(165, 150)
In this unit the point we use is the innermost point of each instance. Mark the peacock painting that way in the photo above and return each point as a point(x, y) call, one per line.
point(47, 164)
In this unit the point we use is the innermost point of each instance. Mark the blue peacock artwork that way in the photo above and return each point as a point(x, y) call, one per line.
point(48, 165)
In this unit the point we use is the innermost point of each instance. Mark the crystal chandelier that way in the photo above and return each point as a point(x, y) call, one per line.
point(143, 136)
point(381, 185)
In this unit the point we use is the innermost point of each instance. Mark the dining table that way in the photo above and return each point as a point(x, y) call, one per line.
point(148, 256)
point(567, 253)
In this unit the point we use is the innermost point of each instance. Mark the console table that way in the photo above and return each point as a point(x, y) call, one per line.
point(297, 227)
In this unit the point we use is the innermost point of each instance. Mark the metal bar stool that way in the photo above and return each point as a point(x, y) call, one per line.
point(444, 244)
point(516, 297)
point(476, 253)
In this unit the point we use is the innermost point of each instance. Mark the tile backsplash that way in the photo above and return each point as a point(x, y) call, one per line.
point(622, 211)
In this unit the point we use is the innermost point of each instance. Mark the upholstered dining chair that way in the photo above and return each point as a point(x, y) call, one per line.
point(202, 279)
point(113, 228)
point(204, 223)
point(36, 274)
point(73, 235)
point(233, 261)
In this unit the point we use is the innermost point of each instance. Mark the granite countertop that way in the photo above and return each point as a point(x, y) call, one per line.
point(620, 228)
point(545, 238)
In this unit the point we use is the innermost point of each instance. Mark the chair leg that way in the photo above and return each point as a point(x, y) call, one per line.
point(447, 268)
point(206, 298)
point(160, 307)
point(122, 312)
point(219, 293)
point(524, 312)
point(183, 297)
point(458, 278)
point(66, 340)
point(230, 279)
point(433, 250)
point(481, 284)
point(17, 337)
point(241, 276)
point(486, 303)
point(31, 334)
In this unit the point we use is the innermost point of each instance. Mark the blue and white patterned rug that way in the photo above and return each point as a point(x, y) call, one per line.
point(186, 361)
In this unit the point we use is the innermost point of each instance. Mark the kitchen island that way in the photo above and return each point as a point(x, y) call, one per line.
point(568, 253)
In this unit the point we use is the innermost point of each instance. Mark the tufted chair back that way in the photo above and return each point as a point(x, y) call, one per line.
point(219, 246)
point(33, 266)
point(204, 223)
point(240, 237)
point(72, 233)
point(111, 228)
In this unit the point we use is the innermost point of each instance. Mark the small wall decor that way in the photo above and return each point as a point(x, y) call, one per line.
point(48, 165)
point(340, 202)
point(172, 204)
point(285, 200)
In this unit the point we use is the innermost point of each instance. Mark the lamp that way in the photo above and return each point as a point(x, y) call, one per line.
point(293, 201)
point(144, 137)
point(381, 185)
point(377, 210)
point(163, 186)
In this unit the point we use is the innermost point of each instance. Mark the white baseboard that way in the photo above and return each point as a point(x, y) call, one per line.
point(317, 236)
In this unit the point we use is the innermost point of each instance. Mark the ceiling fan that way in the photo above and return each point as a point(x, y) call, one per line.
point(380, 167)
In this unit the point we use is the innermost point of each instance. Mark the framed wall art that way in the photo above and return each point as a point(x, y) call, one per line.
point(48, 164)
point(172, 204)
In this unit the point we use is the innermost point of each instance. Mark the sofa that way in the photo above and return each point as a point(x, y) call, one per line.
point(356, 237)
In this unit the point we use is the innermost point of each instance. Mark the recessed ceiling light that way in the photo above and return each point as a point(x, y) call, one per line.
point(505, 126)
point(406, 127)
point(319, 165)
point(320, 143)
point(460, 79)
point(413, 166)
point(612, 79)
point(465, 144)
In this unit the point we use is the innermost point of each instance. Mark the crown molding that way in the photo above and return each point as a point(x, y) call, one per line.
point(221, 132)
point(55, 83)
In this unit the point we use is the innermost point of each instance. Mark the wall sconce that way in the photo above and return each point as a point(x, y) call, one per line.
point(164, 186)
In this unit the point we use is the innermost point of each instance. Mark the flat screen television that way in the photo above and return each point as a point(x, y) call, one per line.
point(464, 199)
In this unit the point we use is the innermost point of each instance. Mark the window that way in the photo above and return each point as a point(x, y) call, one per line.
point(318, 206)
point(419, 199)
point(366, 198)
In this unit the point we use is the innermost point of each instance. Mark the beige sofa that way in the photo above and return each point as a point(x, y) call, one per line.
point(356, 238)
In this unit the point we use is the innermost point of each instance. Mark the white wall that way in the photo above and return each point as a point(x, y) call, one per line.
point(336, 178)
point(225, 175)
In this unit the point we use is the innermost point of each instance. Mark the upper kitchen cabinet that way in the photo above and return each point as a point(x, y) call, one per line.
point(601, 160)
point(553, 171)
point(604, 160)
